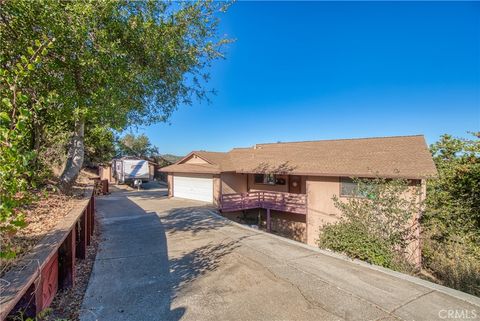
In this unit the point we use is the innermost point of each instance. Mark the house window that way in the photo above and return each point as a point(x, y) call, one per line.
point(270, 179)
point(350, 188)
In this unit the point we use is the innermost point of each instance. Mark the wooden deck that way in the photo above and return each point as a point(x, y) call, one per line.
point(280, 201)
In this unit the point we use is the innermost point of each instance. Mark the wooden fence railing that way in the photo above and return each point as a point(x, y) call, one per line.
point(32, 284)
point(287, 202)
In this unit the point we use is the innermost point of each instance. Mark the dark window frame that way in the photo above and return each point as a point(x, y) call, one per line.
point(354, 192)
point(274, 180)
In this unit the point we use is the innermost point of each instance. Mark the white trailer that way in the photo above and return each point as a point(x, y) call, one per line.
point(126, 171)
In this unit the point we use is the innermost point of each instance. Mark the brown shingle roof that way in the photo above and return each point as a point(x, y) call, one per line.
point(402, 156)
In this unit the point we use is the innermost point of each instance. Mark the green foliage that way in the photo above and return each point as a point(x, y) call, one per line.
point(118, 63)
point(352, 239)
point(115, 64)
point(17, 110)
point(379, 226)
point(452, 217)
point(99, 145)
point(139, 146)
point(107, 65)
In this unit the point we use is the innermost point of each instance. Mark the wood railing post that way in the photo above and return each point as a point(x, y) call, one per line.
point(93, 212)
point(269, 221)
point(81, 251)
point(89, 223)
point(91, 215)
point(66, 261)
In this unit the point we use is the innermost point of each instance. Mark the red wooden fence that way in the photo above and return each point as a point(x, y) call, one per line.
point(33, 283)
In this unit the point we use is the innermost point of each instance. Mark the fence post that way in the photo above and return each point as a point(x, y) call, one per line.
point(89, 223)
point(269, 221)
point(66, 261)
point(81, 252)
point(92, 201)
point(91, 218)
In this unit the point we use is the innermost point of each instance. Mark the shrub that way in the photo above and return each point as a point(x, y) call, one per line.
point(354, 241)
point(452, 217)
point(376, 225)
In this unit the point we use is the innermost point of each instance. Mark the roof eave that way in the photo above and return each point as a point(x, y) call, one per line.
point(368, 175)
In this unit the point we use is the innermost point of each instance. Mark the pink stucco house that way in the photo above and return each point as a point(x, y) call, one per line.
point(291, 185)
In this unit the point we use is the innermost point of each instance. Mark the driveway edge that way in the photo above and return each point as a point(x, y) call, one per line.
point(427, 284)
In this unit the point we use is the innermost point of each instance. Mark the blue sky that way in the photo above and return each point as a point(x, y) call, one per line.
point(323, 70)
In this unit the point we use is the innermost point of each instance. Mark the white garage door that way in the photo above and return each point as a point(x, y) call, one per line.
point(193, 186)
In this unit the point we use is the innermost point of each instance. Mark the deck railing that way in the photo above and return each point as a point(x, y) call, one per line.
point(280, 201)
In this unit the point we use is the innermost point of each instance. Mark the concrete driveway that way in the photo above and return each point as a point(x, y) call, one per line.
point(171, 259)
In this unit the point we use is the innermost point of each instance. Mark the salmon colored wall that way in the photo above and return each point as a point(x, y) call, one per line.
point(170, 184)
point(267, 187)
point(414, 249)
point(234, 183)
point(151, 171)
point(303, 187)
point(320, 208)
point(194, 159)
point(105, 172)
point(217, 189)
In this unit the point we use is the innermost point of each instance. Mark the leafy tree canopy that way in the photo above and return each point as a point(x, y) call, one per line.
point(139, 146)
point(113, 63)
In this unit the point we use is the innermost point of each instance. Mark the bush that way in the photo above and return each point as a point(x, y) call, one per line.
point(456, 263)
point(354, 241)
point(452, 217)
point(376, 225)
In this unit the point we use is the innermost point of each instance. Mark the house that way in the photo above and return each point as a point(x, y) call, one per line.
point(293, 183)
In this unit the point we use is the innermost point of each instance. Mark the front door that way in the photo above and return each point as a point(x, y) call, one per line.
point(294, 184)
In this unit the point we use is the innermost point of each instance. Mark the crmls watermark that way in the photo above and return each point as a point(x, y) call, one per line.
point(457, 314)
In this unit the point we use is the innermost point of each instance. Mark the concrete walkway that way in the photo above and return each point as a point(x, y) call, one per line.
point(170, 259)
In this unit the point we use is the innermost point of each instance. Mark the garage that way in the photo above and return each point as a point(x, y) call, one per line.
point(193, 186)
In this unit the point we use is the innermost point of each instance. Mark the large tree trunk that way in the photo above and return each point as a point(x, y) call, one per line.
point(75, 156)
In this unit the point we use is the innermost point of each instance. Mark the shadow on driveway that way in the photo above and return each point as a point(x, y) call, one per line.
point(133, 277)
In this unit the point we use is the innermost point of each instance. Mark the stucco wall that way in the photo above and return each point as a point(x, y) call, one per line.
point(303, 189)
point(234, 183)
point(151, 171)
point(105, 172)
point(217, 189)
point(170, 184)
point(320, 208)
point(194, 159)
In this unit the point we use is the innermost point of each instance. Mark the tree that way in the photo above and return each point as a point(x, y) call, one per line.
point(453, 204)
point(113, 63)
point(139, 146)
point(99, 145)
point(452, 217)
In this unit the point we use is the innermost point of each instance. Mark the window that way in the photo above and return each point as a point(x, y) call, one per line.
point(350, 188)
point(353, 188)
point(270, 179)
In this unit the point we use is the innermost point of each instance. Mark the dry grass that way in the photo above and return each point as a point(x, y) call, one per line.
point(42, 215)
